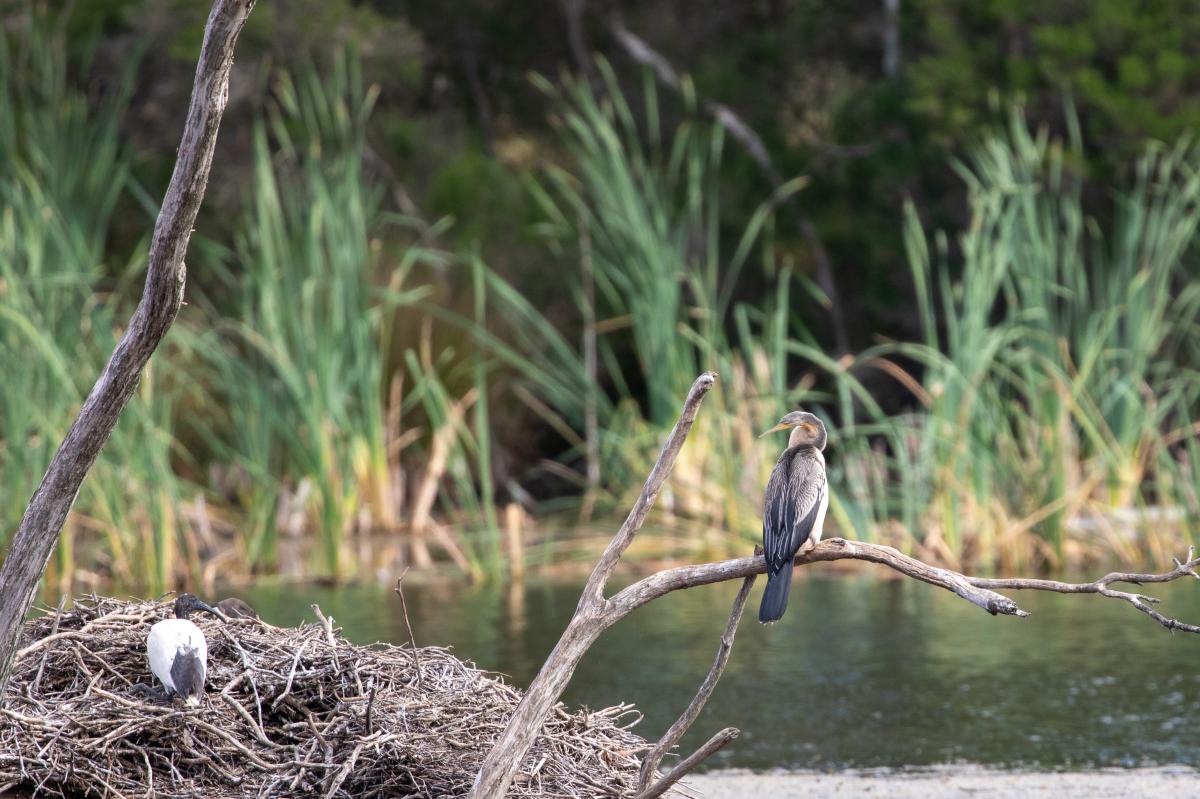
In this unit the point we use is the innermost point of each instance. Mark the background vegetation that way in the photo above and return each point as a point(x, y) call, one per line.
point(456, 271)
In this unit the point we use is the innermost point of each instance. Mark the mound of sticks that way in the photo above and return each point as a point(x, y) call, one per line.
point(288, 712)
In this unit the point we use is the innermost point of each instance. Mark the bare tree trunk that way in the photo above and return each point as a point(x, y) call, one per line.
point(165, 276)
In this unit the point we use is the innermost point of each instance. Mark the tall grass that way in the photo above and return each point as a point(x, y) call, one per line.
point(302, 366)
point(62, 173)
point(648, 201)
point(1058, 370)
point(1053, 389)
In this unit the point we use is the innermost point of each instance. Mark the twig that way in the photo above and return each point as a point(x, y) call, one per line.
point(689, 716)
point(1101, 586)
point(370, 709)
point(327, 624)
point(287, 688)
point(84, 633)
point(58, 611)
point(344, 772)
point(412, 640)
point(714, 744)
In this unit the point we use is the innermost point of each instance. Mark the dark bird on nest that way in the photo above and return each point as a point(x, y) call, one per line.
point(235, 608)
point(177, 650)
point(793, 508)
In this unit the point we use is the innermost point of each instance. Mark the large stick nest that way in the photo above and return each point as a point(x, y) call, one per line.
point(289, 711)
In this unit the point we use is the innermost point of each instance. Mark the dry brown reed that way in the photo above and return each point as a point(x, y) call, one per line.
point(289, 712)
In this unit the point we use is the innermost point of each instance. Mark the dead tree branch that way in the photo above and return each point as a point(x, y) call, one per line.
point(592, 617)
point(752, 143)
point(1101, 586)
point(595, 614)
point(685, 766)
point(165, 275)
point(672, 736)
point(684, 722)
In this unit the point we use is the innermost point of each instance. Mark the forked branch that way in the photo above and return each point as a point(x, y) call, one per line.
point(592, 617)
point(685, 766)
point(595, 614)
point(684, 722)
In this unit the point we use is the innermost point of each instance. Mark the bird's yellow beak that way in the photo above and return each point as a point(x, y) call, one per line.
point(775, 429)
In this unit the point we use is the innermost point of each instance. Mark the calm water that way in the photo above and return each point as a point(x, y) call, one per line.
point(860, 673)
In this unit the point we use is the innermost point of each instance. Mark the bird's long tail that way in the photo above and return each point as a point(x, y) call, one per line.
point(775, 595)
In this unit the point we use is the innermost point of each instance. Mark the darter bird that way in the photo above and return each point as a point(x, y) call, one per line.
point(793, 508)
point(177, 651)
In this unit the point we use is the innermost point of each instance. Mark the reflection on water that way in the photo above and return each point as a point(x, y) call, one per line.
point(860, 673)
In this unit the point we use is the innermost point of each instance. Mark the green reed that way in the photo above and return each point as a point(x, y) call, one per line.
point(302, 364)
point(1059, 369)
point(63, 171)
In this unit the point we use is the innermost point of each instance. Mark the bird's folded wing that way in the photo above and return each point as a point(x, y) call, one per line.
point(790, 507)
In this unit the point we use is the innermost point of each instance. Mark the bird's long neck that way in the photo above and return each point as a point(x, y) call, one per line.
point(799, 438)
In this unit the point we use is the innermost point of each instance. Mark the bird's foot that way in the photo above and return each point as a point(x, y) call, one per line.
point(151, 693)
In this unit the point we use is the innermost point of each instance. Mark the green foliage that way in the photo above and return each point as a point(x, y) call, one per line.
point(1058, 373)
point(1053, 382)
point(62, 170)
point(481, 195)
point(1129, 66)
point(301, 365)
point(664, 281)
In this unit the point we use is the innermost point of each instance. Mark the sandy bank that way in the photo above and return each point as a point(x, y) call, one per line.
point(957, 781)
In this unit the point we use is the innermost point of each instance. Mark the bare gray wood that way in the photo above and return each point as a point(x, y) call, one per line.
point(684, 722)
point(594, 613)
point(591, 618)
point(38, 532)
point(685, 766)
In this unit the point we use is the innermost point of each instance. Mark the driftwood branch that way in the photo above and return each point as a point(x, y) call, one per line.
point(38, 532)
point(684, 722)
point(595, 614)
point(752, 143)
point(592, 617)
point(685, 766)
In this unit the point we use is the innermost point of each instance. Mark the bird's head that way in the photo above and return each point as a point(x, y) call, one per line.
point(187, 604)
point(807, 429)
